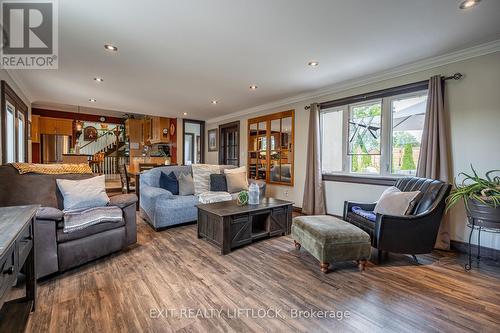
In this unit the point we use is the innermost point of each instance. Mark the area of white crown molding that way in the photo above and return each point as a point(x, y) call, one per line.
point(468, 53)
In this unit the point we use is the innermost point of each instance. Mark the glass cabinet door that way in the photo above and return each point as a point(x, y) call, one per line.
point(252, 151)
point(275, 151)
point(262, 163)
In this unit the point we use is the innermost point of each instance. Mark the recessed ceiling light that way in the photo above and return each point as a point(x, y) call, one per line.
point(469, 4)
point(184, 113)
point(98, 79)
point(253, 87)
point(313, 63)
point(214, 101)
point(92, 100)
point(110, 47)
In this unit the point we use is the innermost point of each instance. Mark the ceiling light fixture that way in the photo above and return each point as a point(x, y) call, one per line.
point(92, 100)
point(79, 124)
point(469, 4)
point(110, 47)
point(214, 102)
point(313, 63)
point(98, 79)
point(253, 87)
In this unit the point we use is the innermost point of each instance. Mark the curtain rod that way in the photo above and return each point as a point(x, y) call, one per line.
point(456, 76)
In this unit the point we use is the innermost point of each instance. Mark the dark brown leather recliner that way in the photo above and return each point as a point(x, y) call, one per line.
point(410, 234)
point(56, 251)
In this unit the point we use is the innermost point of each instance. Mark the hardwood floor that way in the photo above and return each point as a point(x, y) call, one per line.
point(173, 270)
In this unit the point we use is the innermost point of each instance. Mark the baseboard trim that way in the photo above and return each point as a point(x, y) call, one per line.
point(486, 252)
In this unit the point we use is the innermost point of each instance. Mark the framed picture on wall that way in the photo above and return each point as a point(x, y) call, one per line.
point(212, 140)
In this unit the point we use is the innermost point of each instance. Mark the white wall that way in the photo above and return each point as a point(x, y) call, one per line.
point(7, 78)
point(474, 106)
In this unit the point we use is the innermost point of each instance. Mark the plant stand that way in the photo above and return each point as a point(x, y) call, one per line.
point(475, 224)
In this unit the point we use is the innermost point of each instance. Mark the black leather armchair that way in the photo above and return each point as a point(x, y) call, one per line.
point(410, 234)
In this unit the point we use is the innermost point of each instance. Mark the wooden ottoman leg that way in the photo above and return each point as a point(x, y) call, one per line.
point(297, 244)
point(361, 264)
point(324, 266)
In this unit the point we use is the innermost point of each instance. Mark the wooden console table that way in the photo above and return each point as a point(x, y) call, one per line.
point(227, 225)
point(17, 251)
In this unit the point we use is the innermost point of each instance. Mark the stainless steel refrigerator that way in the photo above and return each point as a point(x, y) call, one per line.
point(54, 146)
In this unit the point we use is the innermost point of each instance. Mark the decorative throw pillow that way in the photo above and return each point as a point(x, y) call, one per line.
point(236, 182)
point(86, 193)
point(239, 170)
point(236, 170)
point(169, 182)
point(218, 183)
point(394, 202)
point(201, 176)
point(186, 184)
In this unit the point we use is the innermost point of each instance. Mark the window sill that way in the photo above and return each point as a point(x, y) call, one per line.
point(362, 179)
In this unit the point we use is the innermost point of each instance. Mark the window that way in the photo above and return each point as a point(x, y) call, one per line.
point(365, 122)
point(20, 137)
point(379, 137)
point(10, 129)
point(13, 117)
point(408, 115)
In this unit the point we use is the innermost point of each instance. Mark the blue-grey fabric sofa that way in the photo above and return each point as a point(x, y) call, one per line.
point(161, 208)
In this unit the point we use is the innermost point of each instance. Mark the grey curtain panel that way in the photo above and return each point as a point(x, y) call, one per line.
point(434, 160)
point(314, 193)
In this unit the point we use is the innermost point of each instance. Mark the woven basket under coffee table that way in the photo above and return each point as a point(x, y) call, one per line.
point(330, 239)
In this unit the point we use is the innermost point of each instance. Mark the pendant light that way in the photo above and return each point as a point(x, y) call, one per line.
point(79, 123)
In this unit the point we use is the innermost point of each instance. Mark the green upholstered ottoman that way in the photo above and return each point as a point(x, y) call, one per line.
point(330, 239)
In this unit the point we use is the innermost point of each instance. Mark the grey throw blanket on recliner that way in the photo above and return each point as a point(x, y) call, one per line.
point(78, 219)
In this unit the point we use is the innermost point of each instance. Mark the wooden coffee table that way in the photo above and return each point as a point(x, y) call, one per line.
point(227, 225)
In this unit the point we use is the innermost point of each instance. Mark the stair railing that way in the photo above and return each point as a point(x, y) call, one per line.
point(103, 141)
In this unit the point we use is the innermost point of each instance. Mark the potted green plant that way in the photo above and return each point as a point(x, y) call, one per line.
point(481, 197)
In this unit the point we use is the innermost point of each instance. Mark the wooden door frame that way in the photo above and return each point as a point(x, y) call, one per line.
point(221, 127)
point(202, 137)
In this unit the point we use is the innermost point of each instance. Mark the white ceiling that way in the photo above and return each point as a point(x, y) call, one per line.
point(177, 56)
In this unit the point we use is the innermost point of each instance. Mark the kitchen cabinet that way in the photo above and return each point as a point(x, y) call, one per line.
point(133, 132)
point(55, 126)
point(160, 132)
point(35, 128)
point(146, 130)
point(156, 130)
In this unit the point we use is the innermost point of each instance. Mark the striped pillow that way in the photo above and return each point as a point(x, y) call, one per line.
point(201, 176)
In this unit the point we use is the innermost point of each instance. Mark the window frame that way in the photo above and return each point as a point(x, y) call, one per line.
point(385, 177)
point(8, 95)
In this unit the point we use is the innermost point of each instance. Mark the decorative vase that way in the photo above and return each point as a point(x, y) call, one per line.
point(253, 194)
